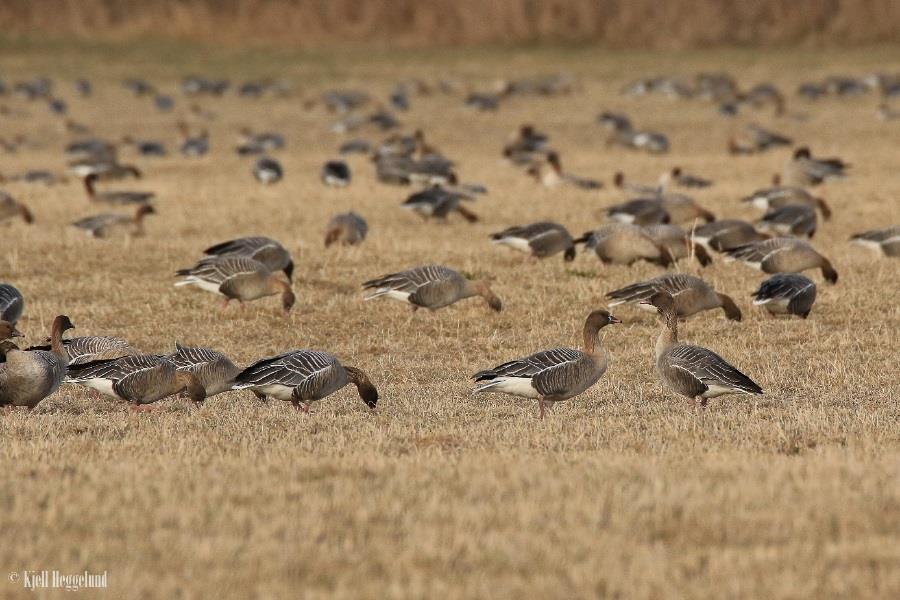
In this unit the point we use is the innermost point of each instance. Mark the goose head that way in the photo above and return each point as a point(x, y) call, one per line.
point(802, 152)
point(8, 331)
point(483, 289)
point(188, 382)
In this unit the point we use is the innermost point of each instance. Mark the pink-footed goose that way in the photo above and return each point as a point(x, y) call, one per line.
point(11, 208)
point(236, 278)
point(691, 294)
point(551, 376)
point(778, 196)
point(882, 240)
point(213, 370)
point(111, 224)
point(783, 255)
point(347, 229)
point(624, 244)
point(540, 240)
point(12, 303)
point(431, 287)
point(786, 294)
point(27, 377)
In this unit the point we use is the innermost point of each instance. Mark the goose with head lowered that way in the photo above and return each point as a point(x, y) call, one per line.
point(790, 219)
point(555, 375)
point(237, 278)
point(805, 170)
point(120, 197)
point(213, 370)
point(726, 234)
point(29, 376)
point(431, 287)
point(12, 303)
point(786, 294)
point(110, 224)
point(691, 294)
point(347, 229)
point(624, 244)
point(783, 255)
point(775, 197)
point(540, 240)
point(885, 240)
point(302, 377)
point(11, 208)
point(262, 249)
point(679, 243)
point(693, 371)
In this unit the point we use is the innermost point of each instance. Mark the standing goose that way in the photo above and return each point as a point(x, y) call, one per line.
point(11, 208)
point(678, 242)
point(726, 234)
point(638, 189)
point(790, 219)
point(302, 377)
point(139, 380)
point(268, 170)
point(12, 303)
point(116, 197)
point(236, 278)
point(804, 170)
point(553, 375)
point(213, 370)
point(85, 349)
point(686, 179)
point(624, 244)
point(348, 229)
point(109, 224)
point(786, 293)
point(336, 173)
point(550, 173)
point(27, 377)
point(783, 255)
point(262, 249)
point(779, 196)
point(693, 371)
point(691, 294)
point(540, 240)
point(438, 202)
point(431, 287)
point(883, 240)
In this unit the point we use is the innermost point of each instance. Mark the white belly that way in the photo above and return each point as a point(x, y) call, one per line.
point(515, 386)
point(515, 243)
point(275, 390)
point(104, 386)
point(200, 283)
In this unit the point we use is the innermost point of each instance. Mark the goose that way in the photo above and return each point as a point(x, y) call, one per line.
point(779, 196)
point(438, 202)
point(336, 173)
point(7, 332)
point(85, 349)
point(349, 229)
point(213, 370)
point(886, 113)
point(115, 197)
point(108, 224)
point(638, 189)
point(692, 295)
point(683, 209)
point(431, 287)
point(237, 278)
point(693, 371)
point(804, 170)
point(625, 244)
point(639, 211)
point(783, 255)
point(883, 240)
point(193, 145)
point(27, 377)
point(12, 303)
point(540, 240)
point(553, 375)
point(726, 234)
point(139, 380)
point(163, 102)
point(269, 252)
point(678, 242)
point(303, 377)
point(355, 147)
point(786, 293)
point(528, 140)
point(757, 139)
point(268, 170)
point(685, 179)
point(550, 174)
point(42, 176)
point(790, 219)
point(103, 168)
point(11, 208)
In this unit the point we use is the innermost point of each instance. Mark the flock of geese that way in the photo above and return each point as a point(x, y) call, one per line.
point(655, 224)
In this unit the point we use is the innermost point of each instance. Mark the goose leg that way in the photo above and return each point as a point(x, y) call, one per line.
point(542, 407)
point(700, 402)
point(142, 408)
point(225, 304)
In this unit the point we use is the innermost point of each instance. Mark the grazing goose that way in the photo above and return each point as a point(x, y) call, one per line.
point(109, 224)
point(116, 197)
point(355, 147)
point(783, 255)
point(779, 196)
point(692, 295)
point(678, 242)
point(27, 377)
point(786, 293)
point(685, 179)
point(262, 249)
point(12, 303)
point(193, 146)
point(10, 208)
point(550, 174)
point(336, 173)
point(638, 189)
point(726, 234)
point(348, 229)
point(553, 375)
point(139, 380)
point(883, 240)
point(302, 377)
point(438, 202)
point(756, 139)
point(213, 370)
point(804, 170)
point(431, 287)
point(624, 244)
point(104, 168)
point(237, 278)
point(540, 240)
point(268, 170)
point(640, 211)
point(790, 219)
point(693, 371)
point(683, 209)
point(85, 349)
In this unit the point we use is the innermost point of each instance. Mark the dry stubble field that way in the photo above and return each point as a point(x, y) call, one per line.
point(624, 492)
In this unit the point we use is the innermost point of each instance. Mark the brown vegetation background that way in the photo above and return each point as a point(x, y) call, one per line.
point(419, 23)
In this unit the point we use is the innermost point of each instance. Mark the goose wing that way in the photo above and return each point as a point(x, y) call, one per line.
point(710, 369)
point(185, 357)
point(410, 281)
point(296, 368)
point(113, 369)
point(11, 303)
point(90, 348)
point(880, 236)
point(782, 287)
point(757, 252)
point(221, 270)
point(245, 246)
point(674, 283)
